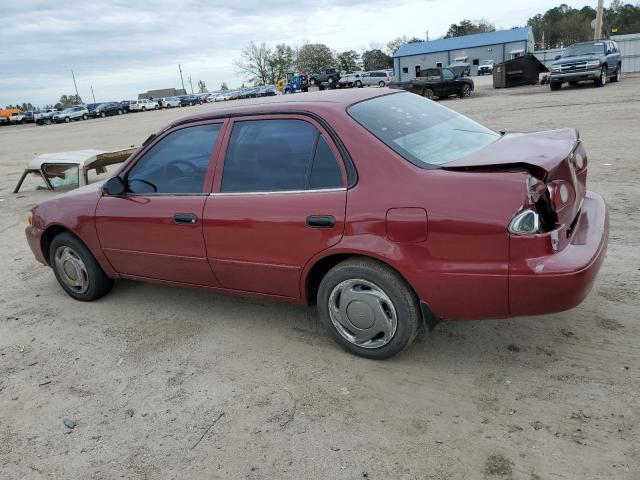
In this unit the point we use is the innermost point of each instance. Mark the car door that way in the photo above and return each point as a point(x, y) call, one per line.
point(154, 230)
point(448, 83)
point(279, 200)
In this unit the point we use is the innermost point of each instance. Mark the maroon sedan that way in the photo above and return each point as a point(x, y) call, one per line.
point(386, 209)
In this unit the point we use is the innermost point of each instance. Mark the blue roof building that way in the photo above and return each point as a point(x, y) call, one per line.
point(497, 46)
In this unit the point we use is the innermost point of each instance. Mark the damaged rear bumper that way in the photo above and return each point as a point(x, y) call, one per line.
point(562, 277)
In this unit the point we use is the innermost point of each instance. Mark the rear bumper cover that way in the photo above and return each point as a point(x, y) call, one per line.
point(561, 280)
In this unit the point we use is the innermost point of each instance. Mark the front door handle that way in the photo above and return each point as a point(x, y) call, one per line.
point(185, 218)
point(321, 221)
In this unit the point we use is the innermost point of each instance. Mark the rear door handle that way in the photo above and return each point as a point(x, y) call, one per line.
point(321, 221)
point(185, 218)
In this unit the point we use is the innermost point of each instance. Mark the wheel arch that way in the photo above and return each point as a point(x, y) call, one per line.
point(49, 234)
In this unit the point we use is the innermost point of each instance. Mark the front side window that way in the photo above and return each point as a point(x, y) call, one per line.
point(176, 164)
point(278, 155)
point(423, 132)
point(448, 74)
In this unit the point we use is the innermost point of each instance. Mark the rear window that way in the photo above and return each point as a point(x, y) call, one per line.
point(423, 132)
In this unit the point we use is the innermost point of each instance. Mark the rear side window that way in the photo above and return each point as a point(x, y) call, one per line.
point(176, 164)
point(278, 155)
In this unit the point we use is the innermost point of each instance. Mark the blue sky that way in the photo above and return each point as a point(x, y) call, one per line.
point(122, 48)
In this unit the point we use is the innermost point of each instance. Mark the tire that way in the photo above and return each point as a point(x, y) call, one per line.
point(555, 85)
point(381, 84)
point(602, 80)
point(616, 77)
point(465, 91)
point(85, 116)
point(287, 91)
point(428, 93)
point(312, 82)
point(373, 286)
point(103, 115)
point(119, 112)
point(67, 119)
point(70, 258)
point(156, 107)
point(47, 121)
point(143, 109)
point(357, 84)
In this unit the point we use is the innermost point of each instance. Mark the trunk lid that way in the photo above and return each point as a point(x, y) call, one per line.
point(556, 157)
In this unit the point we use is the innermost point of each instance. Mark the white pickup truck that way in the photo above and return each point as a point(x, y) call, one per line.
point(17, 117)
point(45, 116)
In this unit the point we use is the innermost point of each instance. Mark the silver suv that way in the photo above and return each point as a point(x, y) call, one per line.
point(79, 112)
point(380, 78)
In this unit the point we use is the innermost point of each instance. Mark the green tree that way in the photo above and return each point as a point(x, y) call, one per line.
point(67, 101)
point(313, 57)
point(280, 62)
point(469, 27)
point(621, 18)
point(348, 61)
point(376, 59)
point(562, 26)
point(394, 45)
point(202, 87)
point(224, 87)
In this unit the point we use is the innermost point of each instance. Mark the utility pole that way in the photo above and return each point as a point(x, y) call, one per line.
point(597, 35)
point(94, 97)
point(191, 83)
point(75, 85)
point(181, 79)
point(427, 35)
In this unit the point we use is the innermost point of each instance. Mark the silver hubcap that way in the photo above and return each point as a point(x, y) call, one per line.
point(71, 269)
point(362, 313)
point(603, 76)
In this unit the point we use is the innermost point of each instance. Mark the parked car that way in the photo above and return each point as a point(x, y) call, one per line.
point(597, 61)
point(108, 109)
point(348, 79)
point(327, 75)
point(17, 117)
point(91, 107)
point(435, 83)
point(520, 236)
point(378, 78)
point(45, 117)
point(189, 100)
point(171, 102)
point(486, 67)
point(125, 104)
point(223, 96)
point(143, 105)
point(79, 112)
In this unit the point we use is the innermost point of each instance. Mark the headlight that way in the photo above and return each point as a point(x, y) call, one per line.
point(525, 222)
point(593, 63)
point(30, 218)
point(555, 68)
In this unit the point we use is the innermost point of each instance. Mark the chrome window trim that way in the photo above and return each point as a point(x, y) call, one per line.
point(277, 192)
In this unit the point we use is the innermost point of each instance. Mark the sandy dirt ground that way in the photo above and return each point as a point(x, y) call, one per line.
point(173, 384)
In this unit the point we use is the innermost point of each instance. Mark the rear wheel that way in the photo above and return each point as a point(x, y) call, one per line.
point(76, 269)
point(102, 114)
point(358, 84)
point(143, 109)
point(555, 85)
point(368, 308)
point(381, 84)
point(47, 121)
point(312, 82)
point(602, 80)
point(67, 119)
point(428, 93)
point(85, 116)
point(119, 112)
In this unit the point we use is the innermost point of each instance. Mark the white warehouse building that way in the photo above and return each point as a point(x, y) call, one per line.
point(497, 46)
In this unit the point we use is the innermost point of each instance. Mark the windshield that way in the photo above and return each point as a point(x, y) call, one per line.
point(584, 49)
point(421, 131)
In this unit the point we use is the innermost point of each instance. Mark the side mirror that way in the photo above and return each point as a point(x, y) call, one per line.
point(558, 57)
point(115, 186)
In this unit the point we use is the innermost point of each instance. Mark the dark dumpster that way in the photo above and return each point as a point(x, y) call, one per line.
point(518, 71)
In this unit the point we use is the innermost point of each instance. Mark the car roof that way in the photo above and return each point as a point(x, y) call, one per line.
point(300, 102)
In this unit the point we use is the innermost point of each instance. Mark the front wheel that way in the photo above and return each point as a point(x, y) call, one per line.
point(156, 107)
point(143, 109)
point(381, 84)
point(312, 82)
point(67, 119)
point(85, 116)
point(358, 84)
point(555, 85)
point(368, 308)
point(602, 80)
point(616, 77)
point(76, 269)
point(465, 92)
point(102, 114)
